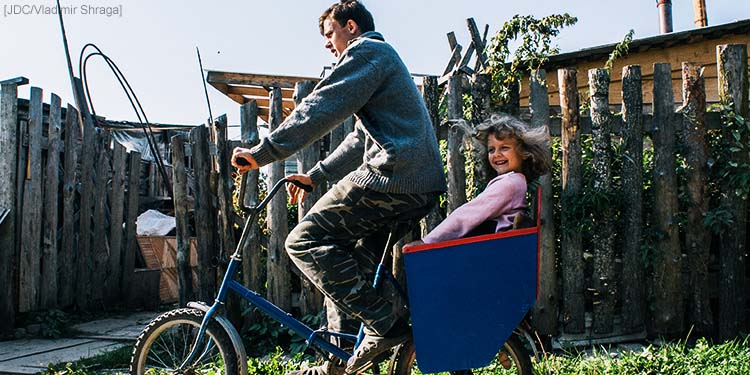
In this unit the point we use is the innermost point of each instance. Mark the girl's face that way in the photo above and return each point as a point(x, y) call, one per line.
point(504, 154)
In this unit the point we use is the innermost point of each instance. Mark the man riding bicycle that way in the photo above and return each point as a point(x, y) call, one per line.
point(390, 170)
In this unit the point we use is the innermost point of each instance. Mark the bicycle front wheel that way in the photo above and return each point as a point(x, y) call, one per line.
point(510, 360)
point(166, 342)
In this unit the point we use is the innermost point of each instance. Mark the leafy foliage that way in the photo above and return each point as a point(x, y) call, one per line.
point(536, 46)
point(621, 49)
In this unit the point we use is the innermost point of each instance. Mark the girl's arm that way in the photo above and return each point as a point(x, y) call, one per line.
point(501, 195)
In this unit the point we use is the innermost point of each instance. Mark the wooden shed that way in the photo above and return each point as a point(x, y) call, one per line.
point(698, 45)
point(244, 87)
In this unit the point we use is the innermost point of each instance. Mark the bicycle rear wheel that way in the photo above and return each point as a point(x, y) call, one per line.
point(165, 343)
point(510, 360)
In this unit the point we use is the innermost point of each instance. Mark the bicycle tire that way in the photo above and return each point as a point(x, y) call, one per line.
point(511, 359)
point(168, 339)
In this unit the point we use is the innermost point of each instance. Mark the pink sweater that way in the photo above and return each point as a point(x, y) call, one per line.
point(504, 197)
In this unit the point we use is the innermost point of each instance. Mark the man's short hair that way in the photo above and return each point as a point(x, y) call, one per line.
point(346, 10)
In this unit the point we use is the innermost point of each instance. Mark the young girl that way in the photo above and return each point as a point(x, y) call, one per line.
point(516, 154)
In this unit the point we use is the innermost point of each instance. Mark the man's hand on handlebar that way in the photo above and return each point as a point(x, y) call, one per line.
point(243, 160)
point(297, 194)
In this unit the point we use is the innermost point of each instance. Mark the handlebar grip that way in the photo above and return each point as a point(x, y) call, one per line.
point(302, 186)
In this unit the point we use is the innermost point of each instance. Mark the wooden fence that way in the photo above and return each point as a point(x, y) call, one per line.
point(71, 199)
point(595, 286)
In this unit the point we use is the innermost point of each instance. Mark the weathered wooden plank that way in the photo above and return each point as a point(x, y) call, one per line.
point(100, 244)
point(85, 266)
point(572, 252)
point(117, 209)
point(633, 297)
point(226, 215)
point(225, 187)
point(667, 305)
point(22, 152)
point(604, 278)
point(513, 106)
point(455, 53)
point(252, 264)
point(9, 136)
point(466, 58)
point(546, 308)
point(277, 263)
point(30, 264)
point(228, 78)
point(478, 42)
point(204, 213)
point(697, 236)
point(481, 99)
point(180, 187)
point(431, 96)
point(69, 249)
point(131, 215)
point(731, 63)
point(51, 185)
point(310, 299)
point(455, 157)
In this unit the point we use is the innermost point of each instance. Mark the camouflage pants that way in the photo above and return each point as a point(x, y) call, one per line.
point(338, 246)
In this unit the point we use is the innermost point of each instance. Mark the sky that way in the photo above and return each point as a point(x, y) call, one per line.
point(154, 42)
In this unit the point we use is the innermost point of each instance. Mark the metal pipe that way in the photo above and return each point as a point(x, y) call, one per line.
point(699, 8)
point(665, 16)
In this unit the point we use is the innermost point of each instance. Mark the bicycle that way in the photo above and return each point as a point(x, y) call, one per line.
point(198, 339)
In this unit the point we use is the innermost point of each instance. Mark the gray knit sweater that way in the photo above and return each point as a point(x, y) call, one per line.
point(393, 146)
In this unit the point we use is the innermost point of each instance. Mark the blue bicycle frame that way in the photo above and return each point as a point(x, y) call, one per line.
point(317, 338)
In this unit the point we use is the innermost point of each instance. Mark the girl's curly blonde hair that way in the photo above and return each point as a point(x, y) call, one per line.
point(534, 143)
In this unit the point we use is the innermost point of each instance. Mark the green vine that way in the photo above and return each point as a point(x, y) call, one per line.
point(536, 47)
point(621, 50)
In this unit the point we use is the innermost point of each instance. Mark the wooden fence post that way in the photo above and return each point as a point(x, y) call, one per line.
point(51, 184)
point(572, 252)
point(99, 250)
point(668, 307)
point(455, 158)
point(252, 265)
point(481, 98)
point(31, 230)
point(431, 96)
point(85, 255)
point(733, 90)
point(204, 214)
point(180, 191)
point(117, 207)
point(131, 244)
point(9, 137)
point(279, 278)
point(69, 250)
point(633, 300)
point(225, 186)
point(697, 236)
point(310, 298)
point(544, 315)
point(604, 279)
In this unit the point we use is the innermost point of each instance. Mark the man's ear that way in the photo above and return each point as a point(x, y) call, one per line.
point(352, 27)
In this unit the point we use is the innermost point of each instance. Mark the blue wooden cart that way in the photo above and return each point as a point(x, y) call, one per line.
point(466, 296)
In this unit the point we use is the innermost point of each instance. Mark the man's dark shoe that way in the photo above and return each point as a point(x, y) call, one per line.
point(326, 368)
point(370, 348)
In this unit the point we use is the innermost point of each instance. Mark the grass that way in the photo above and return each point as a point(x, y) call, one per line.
point(674, 358)
point(731, 358)
point(116, 361)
